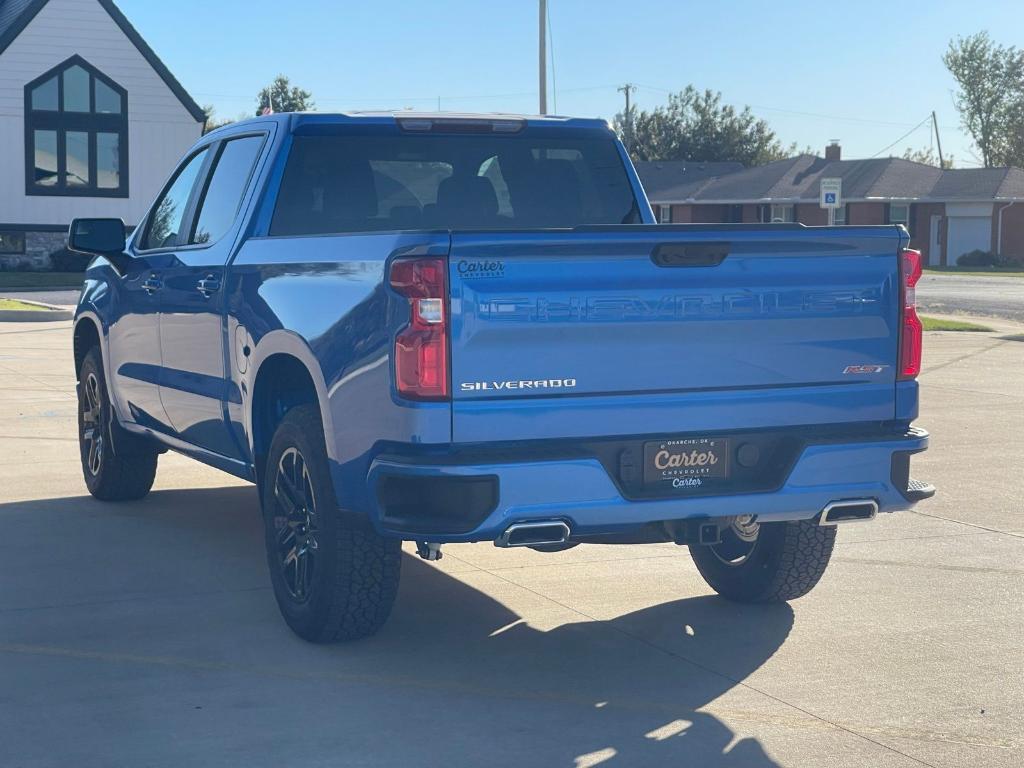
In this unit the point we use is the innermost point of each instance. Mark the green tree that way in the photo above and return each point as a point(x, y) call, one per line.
point(991, 96)
point(927, 156)
point(695, 125)
point(212, 121)
point(282, 96)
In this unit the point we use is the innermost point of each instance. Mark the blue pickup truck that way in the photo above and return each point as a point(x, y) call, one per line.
point(441, 329)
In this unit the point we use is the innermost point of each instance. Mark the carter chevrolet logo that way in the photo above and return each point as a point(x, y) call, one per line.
point(479, 386)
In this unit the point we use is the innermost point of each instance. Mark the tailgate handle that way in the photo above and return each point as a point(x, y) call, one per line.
point(689, 254)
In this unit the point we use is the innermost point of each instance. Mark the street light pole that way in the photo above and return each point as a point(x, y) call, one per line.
point(543, 57)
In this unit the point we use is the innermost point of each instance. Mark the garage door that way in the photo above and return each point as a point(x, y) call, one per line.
point(966, 234)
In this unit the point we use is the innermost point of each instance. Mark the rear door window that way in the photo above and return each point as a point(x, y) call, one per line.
point(224, 192)
point(360, 183)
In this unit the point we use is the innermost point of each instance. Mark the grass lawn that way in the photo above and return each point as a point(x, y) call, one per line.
point(935, 324)
point(19, 305)
point(27, 281)
point(1002, 271)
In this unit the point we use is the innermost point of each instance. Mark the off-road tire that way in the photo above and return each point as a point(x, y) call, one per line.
point(117, 465)
point(786, 562)
point(355, 571)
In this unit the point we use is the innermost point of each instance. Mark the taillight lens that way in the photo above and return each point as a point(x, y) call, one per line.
point(421, 348)
point(911, 330)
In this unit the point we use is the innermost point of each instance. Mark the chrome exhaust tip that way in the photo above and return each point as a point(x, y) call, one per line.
point(849, 511)
point(538, 532)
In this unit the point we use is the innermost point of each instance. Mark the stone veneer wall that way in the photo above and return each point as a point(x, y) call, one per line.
point(38, 247)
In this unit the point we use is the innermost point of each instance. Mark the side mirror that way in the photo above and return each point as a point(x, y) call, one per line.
point(100, 237)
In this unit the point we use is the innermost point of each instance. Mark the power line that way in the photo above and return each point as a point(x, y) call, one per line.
point(800, 113)
point(884, 148)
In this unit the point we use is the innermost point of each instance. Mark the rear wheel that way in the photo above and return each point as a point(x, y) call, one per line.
point(333, 576)
point(117, 465)
point(767, 562)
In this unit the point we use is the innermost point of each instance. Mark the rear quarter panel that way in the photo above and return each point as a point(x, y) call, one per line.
point(324, 300)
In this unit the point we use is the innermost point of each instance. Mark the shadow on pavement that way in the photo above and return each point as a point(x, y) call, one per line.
point(171, 593)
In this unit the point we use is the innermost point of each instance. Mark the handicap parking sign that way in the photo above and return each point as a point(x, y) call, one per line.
point(831, 193)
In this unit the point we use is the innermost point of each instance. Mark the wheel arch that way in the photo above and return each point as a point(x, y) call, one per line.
point(285, 374)
point(86, 335)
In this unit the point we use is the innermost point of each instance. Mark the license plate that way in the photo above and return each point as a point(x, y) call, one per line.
point(686, 463)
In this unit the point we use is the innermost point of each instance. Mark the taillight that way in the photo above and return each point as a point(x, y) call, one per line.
point(911, 329)
point(421, 348)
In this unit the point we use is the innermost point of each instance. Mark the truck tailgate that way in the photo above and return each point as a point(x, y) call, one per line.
point(660, 329)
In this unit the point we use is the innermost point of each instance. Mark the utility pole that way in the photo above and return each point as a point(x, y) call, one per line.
point(543, 57)
point(627, 126)
point(938, 141)
point(627, 89)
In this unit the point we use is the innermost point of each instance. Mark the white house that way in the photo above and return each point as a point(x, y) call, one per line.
point(91, 122)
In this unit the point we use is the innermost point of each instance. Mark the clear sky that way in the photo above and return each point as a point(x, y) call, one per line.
point(862, 72)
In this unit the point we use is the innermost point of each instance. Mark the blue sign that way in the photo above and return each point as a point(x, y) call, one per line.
point(830, 198)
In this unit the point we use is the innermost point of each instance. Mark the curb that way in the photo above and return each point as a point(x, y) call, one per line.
point(45, 313)
point(997, 324)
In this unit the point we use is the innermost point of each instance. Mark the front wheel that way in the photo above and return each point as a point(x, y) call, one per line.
point(334, 577)
point(768, 562)
point(117, 465)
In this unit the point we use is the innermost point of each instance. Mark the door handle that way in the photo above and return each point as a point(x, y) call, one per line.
point(208, 286)
point(152, 284)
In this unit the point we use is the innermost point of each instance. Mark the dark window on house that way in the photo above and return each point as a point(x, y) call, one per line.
point(76, 133)
point(163, 229)
point(226, 187)
point(735, 214)
point(12, 242)
point(899, 213)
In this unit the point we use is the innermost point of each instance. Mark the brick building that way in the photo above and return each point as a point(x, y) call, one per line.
point(948, 212)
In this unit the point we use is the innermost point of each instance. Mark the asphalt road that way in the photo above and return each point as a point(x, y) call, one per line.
point(981, 296)
point(146, 634)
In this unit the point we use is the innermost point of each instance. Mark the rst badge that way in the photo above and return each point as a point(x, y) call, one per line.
point(862, 369)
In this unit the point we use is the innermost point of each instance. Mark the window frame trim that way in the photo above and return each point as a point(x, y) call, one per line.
point(188, 220)
point(61, 122)
point(197, 208)
point(905, 223)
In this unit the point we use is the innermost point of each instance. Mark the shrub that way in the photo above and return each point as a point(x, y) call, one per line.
point(978, 258)
point(65, 260)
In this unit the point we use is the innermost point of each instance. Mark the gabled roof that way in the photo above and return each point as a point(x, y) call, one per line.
point(15, 15)
point(677, 179)
point(797, 179)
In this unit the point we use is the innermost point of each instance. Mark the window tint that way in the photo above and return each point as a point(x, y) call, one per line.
point(44, 150)
point(77, 158)
point(166, 219)
point(224, 192)
point(108, 101)
point(347, 183)
point(108, 160)
point(44, 97)
point(76, 89)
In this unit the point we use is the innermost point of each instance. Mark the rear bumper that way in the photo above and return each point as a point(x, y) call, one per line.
point(452, 501)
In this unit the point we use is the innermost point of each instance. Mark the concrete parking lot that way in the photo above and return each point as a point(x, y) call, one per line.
point(145, 634)
point(988, 295)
